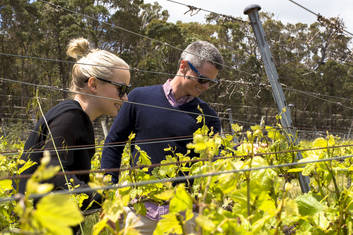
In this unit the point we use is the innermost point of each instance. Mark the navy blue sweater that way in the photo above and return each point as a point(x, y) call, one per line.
point(153, 123)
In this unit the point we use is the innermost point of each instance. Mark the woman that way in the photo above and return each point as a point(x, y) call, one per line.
point(96, 74)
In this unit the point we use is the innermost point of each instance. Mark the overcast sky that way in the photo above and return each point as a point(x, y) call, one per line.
point(283, 10)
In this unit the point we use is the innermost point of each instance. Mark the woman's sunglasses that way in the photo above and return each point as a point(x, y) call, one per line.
point(122, 88)
point(201, 78)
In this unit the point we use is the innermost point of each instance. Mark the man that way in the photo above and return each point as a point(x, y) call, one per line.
point(178, 100)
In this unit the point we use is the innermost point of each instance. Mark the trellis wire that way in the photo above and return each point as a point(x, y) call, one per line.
point(134, 33)
point(135, 103)
point(308, 93)
point(196, 176)
point(191, 8)
point(316, 14)
point(317, 97)
point(111, 145)
point(161, 42)
point(79, 172)
point(180, 178)
point(104, 97)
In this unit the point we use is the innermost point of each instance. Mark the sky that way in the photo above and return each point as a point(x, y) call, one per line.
point(283, 10)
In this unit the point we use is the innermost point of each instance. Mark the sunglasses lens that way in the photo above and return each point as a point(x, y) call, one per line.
point(202, 81)
point(201, 78)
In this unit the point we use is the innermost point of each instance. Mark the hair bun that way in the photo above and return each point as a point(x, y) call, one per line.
point(78, 48)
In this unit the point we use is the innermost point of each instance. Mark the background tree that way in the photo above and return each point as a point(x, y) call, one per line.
point(315, 58)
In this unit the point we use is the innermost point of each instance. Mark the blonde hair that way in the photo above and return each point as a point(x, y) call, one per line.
point(91, 63)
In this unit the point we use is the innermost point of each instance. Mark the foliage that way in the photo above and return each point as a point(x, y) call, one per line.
point(259, 201)
point(262, 201)
point(314, 57)
point(9, 166)
point(52, 214)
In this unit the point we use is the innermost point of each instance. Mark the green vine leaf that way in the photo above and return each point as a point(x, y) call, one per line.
point(308, 205)
point(57, 213)
point(181, 201)
point(168, 224)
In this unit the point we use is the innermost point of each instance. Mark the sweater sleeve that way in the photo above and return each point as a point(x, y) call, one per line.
point(123, 125)
point(66, 130)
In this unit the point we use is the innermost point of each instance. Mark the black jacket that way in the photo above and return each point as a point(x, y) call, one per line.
point(71, 128)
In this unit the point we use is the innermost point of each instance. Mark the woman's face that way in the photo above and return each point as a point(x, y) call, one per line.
point(112, 106)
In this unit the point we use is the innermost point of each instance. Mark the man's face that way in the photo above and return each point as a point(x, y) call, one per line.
point(192, 86)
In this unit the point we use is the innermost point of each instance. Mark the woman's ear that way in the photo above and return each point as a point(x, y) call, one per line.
point(92, 84)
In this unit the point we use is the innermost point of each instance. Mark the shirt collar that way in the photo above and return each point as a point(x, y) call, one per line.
point(170, 95)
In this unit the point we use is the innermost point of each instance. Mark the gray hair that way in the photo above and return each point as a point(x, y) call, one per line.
point(201, 52)
point(106, 62)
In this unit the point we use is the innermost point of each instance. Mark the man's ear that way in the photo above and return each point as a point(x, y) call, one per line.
point(92, 84)
point(183, 66)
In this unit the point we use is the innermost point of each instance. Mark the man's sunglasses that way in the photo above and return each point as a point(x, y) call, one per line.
point(122, 88)
point(201, 78)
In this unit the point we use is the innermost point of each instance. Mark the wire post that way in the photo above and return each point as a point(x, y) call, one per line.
point(104, 127)
point(349, 132)
point(277, 92)
point(229, 111)
point(3, 127)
